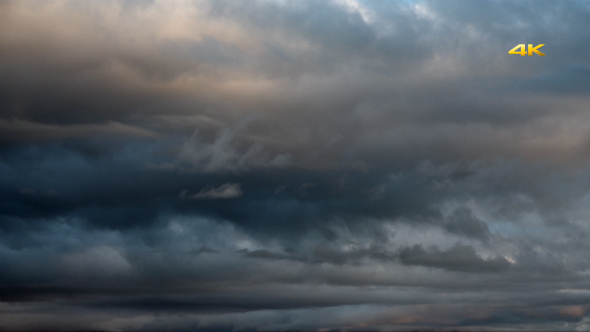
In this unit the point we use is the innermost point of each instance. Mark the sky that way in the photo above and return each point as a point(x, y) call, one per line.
point(294, 165)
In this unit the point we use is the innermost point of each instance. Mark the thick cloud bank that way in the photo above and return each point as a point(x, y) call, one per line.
point(294, 165)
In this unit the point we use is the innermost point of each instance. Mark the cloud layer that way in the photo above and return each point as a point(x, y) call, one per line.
point(309, 165)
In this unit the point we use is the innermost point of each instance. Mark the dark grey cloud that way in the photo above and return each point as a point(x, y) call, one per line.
point(272, 165)
point(459, 257)
point(463, 222)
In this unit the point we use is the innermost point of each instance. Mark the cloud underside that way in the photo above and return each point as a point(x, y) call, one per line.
point(269, 165)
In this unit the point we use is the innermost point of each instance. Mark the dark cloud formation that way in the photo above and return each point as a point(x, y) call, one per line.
point(458, 257)
point(282, 165)
point(463, 222)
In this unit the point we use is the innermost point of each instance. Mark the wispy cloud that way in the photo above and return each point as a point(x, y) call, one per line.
point(227, 190)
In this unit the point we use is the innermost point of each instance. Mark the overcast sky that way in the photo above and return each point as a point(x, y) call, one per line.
point(294, 165)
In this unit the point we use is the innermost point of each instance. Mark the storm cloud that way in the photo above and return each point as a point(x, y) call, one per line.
point(294, 165)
